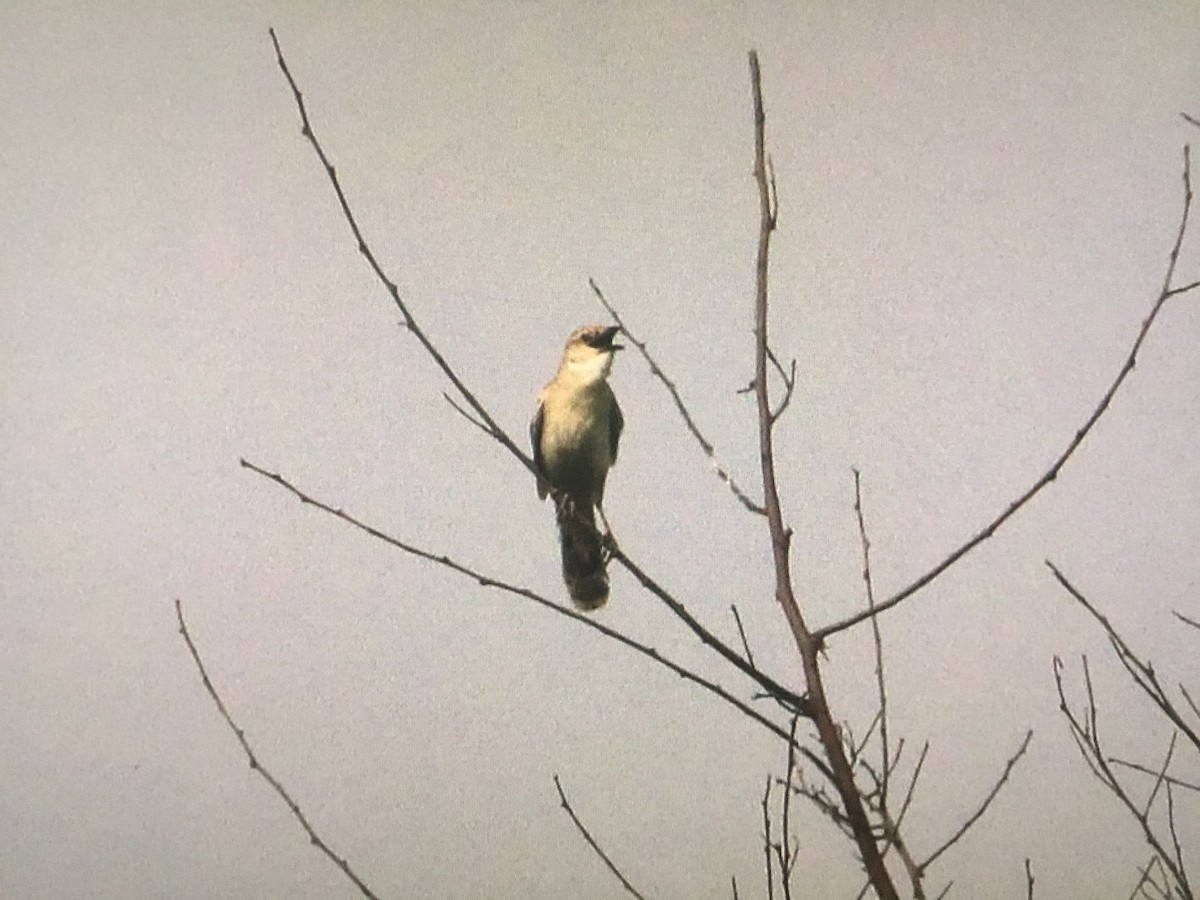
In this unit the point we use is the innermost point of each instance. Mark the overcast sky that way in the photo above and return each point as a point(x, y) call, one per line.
point(976, 208)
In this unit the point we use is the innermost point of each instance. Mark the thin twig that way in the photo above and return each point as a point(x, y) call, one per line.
point(766, 812)
point(1052, 473)
point(987, 801)
point(742, 633)
point(1170, 779)
point(656, 370)
point(787, 859)
point(1161, 775)
point(276, 785)
point(1029, 881)
point(876, 636)
point(795, 703)
point(1182, 618)
point(592, 842)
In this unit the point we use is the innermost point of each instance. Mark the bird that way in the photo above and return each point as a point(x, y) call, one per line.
point(575, 432)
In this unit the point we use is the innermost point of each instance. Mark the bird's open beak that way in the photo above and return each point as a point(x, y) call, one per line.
point(606, 337)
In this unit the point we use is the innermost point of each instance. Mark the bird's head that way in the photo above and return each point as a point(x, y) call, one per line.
point(590, 350)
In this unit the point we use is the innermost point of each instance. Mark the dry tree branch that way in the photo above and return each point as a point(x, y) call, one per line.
point(877, 639)
point(766, 811)
point(806, 643)
point(1139, 670)
point(592, 842)
point(1186, 621)
point(488, 581)
point(789, 699)
point(276, 785)
point(787, 858)
point(1028, 880)
point(1051, 473)
point(1085, 731)
point(987, 801)
point(1161, 775)
point(410, 322)
point(1146, 770)
point(1146, 877)
point(656, 370)
point(737, 617)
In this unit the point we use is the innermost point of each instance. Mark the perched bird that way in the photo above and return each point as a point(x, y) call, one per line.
point(575, 433)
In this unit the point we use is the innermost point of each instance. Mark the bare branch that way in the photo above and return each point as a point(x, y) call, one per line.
point(787, 860)
point(1028, 880)
point(1177, 782)
point(1052, 473)
point(657, 371)
point(807, 645)
point(592, 842)
point(1141, 671)
point(276, 785)
point(1161, 774)
point(1087, 740)
point(792, 701)
point(742, 633)
point(877, 639)
point(482, 426)
point(410, 322)
point(488, 581)
point(1182, 618)
point(987, 801)
point(767, 840)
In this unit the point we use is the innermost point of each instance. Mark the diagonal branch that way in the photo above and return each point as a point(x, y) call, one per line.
point(276, 785)
point(488, 581)
point(1052, 473)
point(592, 842)
point(987, 801)
point(1146, 770)
point(657, 371)
point(1141, 671)
point(410, 321)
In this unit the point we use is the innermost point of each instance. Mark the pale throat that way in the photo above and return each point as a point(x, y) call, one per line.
point(591, 369)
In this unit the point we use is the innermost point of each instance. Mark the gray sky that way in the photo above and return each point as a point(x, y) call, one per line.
point(976, 210)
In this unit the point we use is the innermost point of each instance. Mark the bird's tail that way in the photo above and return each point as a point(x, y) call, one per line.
point(583, 561)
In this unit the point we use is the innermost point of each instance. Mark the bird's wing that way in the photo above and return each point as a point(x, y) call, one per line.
point(535, 437)
point(616, 423)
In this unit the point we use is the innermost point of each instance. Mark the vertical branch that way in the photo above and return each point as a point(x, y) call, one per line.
point(827, 730)
point(766, 811)
point(877, 637)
